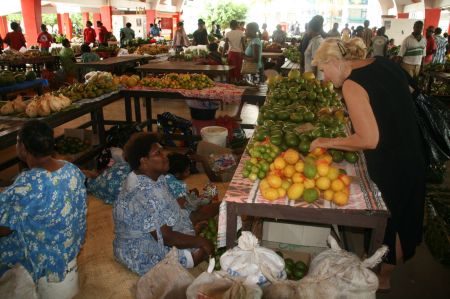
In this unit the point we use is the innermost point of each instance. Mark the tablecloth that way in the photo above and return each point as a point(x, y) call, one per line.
point(227, 93)
point(364, 194)
point(22, 86)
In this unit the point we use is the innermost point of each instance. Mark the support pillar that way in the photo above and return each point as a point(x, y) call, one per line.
point(403, 15)
point(151, 16)
point(32, 18)
point(106, 12)
point(432, 16)
point(84, 18)
point(3, 26)
point(67, 25)
point(59, 21)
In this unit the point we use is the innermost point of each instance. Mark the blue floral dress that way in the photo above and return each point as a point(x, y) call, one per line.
point(47, 213)
point(108, 184)
point(143, 206)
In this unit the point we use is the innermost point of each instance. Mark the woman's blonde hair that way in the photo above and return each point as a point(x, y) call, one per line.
point(342, 50)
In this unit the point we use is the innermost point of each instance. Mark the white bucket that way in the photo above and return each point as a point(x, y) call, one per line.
point(215, 134)
point(65, 289)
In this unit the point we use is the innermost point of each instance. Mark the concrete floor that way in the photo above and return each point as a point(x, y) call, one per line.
point(421, 277)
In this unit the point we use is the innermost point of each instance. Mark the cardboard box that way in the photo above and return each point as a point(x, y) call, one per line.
point(305, 235)
point(204, 152)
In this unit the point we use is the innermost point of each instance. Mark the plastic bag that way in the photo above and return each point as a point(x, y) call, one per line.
point(434, 122)
point(336, 273)
point(167, 280)
point(17, 283)
point(215, 285)
point(250, 260)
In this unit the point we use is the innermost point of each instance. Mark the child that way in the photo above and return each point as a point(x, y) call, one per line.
point(88, 56)
point(199, 207)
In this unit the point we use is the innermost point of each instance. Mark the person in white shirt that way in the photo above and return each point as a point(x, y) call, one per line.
point(314, 27)
point(413, 50)
point(234, 46)
point(379, 43)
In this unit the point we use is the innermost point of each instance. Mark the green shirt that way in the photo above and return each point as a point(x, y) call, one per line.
point(126, 34)
point(67, 59)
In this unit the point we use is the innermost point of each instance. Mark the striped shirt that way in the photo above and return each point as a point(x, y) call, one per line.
point(413, 50)
point(441, 44)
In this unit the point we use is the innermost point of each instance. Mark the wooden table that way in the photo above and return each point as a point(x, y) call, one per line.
point(185, 67)
point(255, 96)
point(366, 210)
point(111, 64)
point(37, 63)
point(97, 122)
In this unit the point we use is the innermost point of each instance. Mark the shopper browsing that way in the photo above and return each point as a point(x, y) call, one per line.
point(234, 47)
point(441, 46)
point(126, 34)
point(44, 39)
point(379, 103)
point(315, 27)
point(200, 35)
point(102, 33)
point(413, 50)
point(15, 39)
point(89, 34)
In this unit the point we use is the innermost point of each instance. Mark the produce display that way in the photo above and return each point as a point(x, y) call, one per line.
point(209, 232)
point(127, 81)
point(190, 55)
point(70, 145)
point(271, 47)
point(438, 67)
point(106, 51)
point(97, 85)
point(299, 109)
point(292, 53)
point(294, 270)
point(152, 49)
point(13, 55)
point(10, 78)
point(178, 81)
point(39, 106)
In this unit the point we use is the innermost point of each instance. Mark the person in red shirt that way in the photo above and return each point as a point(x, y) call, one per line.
point(44, 39)
point(102, 33)
point(15, 39)
point(89, 34)
point(431, 46)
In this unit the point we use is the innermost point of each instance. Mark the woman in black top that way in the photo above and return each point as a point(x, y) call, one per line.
point(380, 106)
point(200, 35)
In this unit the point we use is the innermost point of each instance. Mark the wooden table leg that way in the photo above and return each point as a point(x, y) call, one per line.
point(148, 113)
point(231, 224)
point(128, 116)
point(101, 126)
point(377, 238)
point(137, 109)
point(94, 122)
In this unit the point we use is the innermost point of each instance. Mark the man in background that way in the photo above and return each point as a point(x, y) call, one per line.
point(279, 36)
point(334, 32)
point(44, 39)
point(441, 46)
point(367, 34)
point(15, 39)
point(200, 35)
point(102, 33)
point(413, 50)
point(126, 34)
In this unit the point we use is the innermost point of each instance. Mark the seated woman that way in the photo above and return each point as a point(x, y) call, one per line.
point(67, 59)
point(88, 56)
point(146, 222)
point(43, 214)
point(214, 57)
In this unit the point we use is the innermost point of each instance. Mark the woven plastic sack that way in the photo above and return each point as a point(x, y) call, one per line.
point(167, 280)
point(336, 273)
point(249, 260)
point(17, 283)
point(215, 285)
point(286, 289)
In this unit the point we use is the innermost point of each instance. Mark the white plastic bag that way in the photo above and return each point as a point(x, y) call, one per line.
point(17, 283)
point(215, 285)
point(336, 273)
point(166, 280)
point(250, 260)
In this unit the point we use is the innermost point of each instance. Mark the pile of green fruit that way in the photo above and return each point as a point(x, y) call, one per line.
point(293, 54)
point(209, 232)
point(10, 78)
point(70, 145)
point(262, 154)
point(294, 270)
point(98, 85)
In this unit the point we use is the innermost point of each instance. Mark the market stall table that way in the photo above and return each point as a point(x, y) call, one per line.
point(95, 108)
point(111, 64)
point(249, 95)
point(37, 63)
point(365, 209)
point(37, 85)
point(185, 67)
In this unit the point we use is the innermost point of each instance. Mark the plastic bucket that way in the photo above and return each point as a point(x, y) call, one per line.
point(215, 134)
point(65, 289)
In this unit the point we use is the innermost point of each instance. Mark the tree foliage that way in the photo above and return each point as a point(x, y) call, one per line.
point(224, 11)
